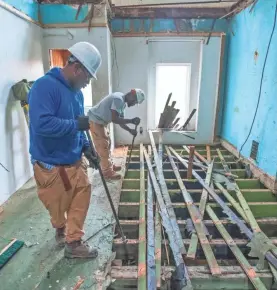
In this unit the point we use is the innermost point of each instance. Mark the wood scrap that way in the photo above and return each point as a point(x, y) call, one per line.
point(191, 155)
point(181, 274)
point(169, 114)
point(79, 284)
point(175, 123)
point(182, 128)
point(78, 11)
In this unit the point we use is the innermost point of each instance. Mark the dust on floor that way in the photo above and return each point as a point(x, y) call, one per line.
point(40, 264)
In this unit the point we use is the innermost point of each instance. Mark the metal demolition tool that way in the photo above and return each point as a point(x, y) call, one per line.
point(130, 154)
point(97, 165)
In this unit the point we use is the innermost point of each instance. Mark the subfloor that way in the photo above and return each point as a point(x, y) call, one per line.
point(40, 264)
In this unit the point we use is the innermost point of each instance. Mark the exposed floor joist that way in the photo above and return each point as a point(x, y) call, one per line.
point(262, 202)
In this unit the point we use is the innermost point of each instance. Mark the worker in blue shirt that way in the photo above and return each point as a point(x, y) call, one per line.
point(57, 142)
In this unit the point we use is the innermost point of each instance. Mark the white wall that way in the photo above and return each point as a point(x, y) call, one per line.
point(135, 59)
point(21, 57)
point(59, 38)
point(130, 70)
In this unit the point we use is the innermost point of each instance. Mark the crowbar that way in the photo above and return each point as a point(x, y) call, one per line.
point(130, 154)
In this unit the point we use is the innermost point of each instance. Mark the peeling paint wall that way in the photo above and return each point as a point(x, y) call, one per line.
point(66, 14)
point(28, 7)
point(56, 13)
point(248, 44)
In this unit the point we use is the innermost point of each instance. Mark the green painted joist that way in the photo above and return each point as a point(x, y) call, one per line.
point(251, 195)
point(134, 173)
point(249, 270)
point(202, 207)
point(164, 190)
point(259, 209)
point(197, 221)
point(193, 183)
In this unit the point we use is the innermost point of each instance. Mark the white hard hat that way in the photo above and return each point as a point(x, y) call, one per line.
point(88, 55)
point(140, 95)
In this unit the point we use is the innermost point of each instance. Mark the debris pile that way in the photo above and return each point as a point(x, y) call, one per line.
point(169, 117)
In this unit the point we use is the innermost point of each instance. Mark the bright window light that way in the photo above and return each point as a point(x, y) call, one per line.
point(175, 79)
point(87, 92)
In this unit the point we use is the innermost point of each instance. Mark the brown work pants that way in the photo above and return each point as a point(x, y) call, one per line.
point(66, 208)
point(102, 142)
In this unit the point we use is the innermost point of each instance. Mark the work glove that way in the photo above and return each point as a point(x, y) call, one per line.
point(133, 132)
point(83, 123)
point(136, 121)
point(92, 159)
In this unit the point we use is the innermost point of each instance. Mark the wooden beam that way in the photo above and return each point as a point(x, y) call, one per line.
point(161, 34)
point(202, 207)
point(199, 156)
point(197, 221)
point(151, 267)
point(233, 277)
point(232, 201)
point(191, 155)
point(204, 196)
point(219, 87)
point(208, 149)
point(166, 196)
point(183, 276)
point(73, 25)
point(177, 13)
point(158, 247)
point(142, 227)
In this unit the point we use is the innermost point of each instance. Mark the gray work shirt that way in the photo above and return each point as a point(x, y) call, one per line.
point(102, 114)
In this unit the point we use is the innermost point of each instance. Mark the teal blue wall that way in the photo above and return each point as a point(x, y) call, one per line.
point(251, 34)
point(55, 13)
point(28, 7)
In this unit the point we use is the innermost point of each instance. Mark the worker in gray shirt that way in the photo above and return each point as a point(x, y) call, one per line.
point(111, 109)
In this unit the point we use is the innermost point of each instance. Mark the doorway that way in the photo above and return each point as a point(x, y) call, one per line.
point(58, 58)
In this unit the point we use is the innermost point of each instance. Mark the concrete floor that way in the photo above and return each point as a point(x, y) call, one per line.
point(40, 264)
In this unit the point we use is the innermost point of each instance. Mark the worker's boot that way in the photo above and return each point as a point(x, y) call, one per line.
point(116, 167)
point(60, 236)
point(79, 249)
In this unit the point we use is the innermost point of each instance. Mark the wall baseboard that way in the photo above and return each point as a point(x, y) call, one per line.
point(73, 25)
point(171, 34)
point(269, 181)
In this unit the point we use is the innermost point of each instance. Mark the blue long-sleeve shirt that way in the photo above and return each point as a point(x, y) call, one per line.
point(53, 109)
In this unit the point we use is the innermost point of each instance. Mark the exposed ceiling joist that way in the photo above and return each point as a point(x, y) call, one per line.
point(133, 3)
point(165, 8)
point(181, 13)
